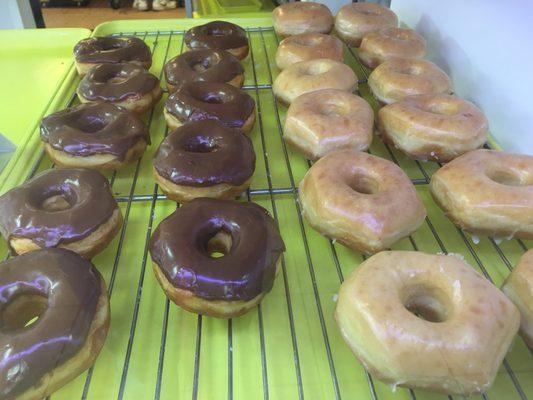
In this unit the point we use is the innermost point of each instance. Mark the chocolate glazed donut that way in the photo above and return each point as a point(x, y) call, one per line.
point(203, 65)
point(197, 101)
point(123, 84)
point(70, 208)
point(218, 35)
point(94, 135)
point(68, 297)
point(184, 246)
point(102, 50)
point(204, 159)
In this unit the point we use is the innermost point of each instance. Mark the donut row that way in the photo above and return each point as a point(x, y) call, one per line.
point(412, 319)
point(211, 256)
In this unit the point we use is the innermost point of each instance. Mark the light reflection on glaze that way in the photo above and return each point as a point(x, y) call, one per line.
point(179, 243)
point(93, 128)
point(88, 192)
point(72, 287)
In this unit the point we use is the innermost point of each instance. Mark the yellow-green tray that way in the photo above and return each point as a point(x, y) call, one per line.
point(289, 347)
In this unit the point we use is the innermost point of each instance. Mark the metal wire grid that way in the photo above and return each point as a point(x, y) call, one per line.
point(271, 192)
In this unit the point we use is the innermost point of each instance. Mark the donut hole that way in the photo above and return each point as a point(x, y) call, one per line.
point(427, 303)
point(316, 69)
point(22, 312)
point(369, 12)
point(332, 110)
point(364, 184)
point(109, 45)
point(307, 41)
point(219, 245)
point(91, 125)
point(505, 177)
point(201, 144)
point(441, 108)
point(213, 98)
point(55, 200)
point(114, 75)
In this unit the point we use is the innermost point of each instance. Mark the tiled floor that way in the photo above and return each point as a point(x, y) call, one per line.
point(99, 11)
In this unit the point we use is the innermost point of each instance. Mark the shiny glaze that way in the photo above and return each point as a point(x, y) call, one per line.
point(87, 191)
point(205, 153)
point(112, 50)
point(218, 65)
point(72, 287)
point(116, 82)
point(216, 35)
point(93, 128)
point(196, 101)
point(179, 243)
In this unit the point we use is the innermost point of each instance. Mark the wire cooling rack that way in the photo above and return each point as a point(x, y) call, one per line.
point(289, 347)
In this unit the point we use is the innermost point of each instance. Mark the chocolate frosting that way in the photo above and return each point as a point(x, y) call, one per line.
point(216, 35)
point(196, 101)
point(116, 82)
point(205, 153)
point(72, 287)
point(179, 247)
point(93, 128)
point(112, 50)
point(215, 66)
point(87, 191)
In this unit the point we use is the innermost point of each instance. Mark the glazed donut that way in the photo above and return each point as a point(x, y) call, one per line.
point(487, 192)
point(301, 17)
point(308, 76)
point(355, 20)
point(203, 65)
point(196, 101)
point(218, 35)
point(519, 289)
point(68, 296)
point(103, 50)
point(426, 321)
point(204, 159)
point(200, 282)
point(436, 127)
point(323, 121)
point(380, 46)
point(123, 84)
point(365, 202)
point(401, 77)
point(94, 135)
point(69, 208)
point(308, 46)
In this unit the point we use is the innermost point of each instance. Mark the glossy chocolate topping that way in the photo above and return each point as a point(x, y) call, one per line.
point(179, 247)
point(116, 82)
point(196, 101)
point(93, 128)
point(205, 153)
point(202, 65)
point(87, 192)
point(216, 35)
point(112, 50)
point(68, 287)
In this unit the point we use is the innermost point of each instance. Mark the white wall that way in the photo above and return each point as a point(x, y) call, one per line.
point(487, 49)
point(15, 14)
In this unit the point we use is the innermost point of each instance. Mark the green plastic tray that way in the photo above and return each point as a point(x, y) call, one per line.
point(33, 67)
point(238, 6)
point(233, 9)
point(289, 347)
